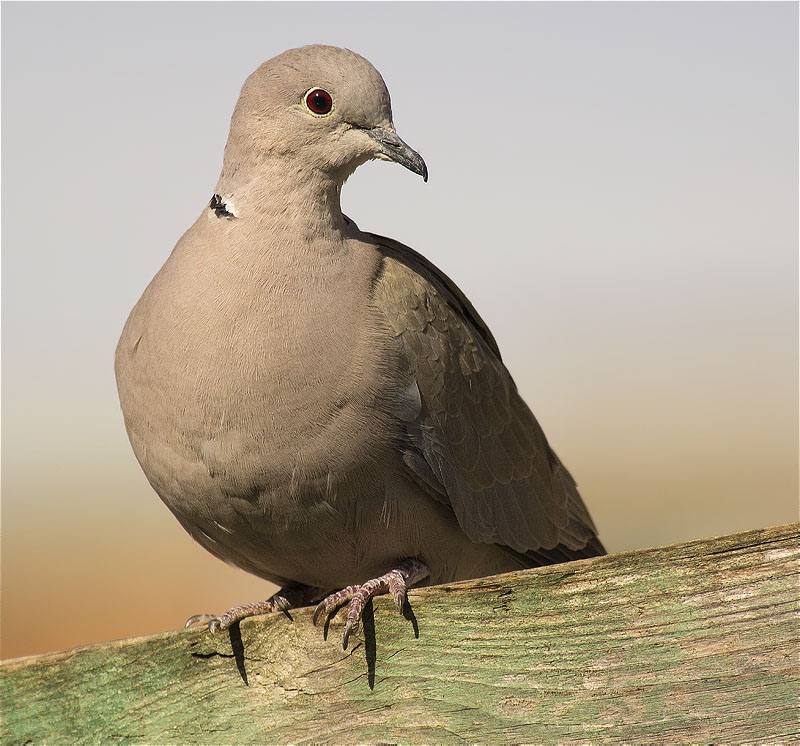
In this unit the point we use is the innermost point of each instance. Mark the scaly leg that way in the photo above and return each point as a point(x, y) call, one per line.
point(286, 598)
point(396, 582)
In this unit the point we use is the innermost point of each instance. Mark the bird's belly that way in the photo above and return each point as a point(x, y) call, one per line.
point(329, 537)
point(254, 450)
point(289, 513)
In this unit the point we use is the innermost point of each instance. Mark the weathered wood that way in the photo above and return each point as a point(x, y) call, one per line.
point(694, 643)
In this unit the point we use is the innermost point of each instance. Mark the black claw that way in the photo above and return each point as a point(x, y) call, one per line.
point(348, 630)
point(280, 604)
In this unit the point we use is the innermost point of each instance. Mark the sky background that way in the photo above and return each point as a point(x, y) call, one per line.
point(613, 185)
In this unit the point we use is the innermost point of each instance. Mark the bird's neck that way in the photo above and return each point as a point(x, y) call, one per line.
point(282, 195)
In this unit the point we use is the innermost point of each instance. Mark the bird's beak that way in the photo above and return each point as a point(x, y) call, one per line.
point(394, 149)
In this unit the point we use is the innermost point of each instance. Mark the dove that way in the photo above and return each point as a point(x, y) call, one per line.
point(320, 406)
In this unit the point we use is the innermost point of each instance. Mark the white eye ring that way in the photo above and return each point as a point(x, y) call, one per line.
point(318, 102)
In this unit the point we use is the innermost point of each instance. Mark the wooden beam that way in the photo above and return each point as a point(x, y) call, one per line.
point(693, 643)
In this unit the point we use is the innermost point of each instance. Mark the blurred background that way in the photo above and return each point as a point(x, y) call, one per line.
point(615, 187)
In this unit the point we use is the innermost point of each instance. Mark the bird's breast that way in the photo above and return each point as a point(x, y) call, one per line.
point(246, 381)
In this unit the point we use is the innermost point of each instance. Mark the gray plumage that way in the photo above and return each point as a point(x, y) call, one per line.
point(316, 404)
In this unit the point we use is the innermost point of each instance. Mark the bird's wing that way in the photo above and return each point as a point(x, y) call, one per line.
point(474, 443)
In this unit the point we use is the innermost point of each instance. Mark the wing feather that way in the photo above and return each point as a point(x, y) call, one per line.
point(475, 444)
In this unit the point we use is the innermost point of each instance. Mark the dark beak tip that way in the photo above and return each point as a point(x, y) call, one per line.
point(423, 169)
point(396, 149)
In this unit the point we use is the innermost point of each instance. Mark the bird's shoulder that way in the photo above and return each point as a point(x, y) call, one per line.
point(412, 286)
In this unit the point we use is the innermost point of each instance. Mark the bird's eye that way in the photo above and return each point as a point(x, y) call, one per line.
point(319, 102)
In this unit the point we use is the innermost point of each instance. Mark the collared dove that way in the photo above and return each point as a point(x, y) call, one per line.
point(320, 406)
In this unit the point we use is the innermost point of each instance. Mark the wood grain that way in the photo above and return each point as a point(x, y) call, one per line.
point(693, 643)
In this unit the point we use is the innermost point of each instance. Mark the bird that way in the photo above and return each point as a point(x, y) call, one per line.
point(321, 406)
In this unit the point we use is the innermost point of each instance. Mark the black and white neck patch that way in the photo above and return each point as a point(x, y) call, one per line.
point(221, 209)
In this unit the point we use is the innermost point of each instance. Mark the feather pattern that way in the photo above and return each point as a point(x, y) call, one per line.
point(475, 443)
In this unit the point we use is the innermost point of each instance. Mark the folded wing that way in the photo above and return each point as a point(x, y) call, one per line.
point(473, 441)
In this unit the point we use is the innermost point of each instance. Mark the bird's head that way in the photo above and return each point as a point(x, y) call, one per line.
point(316, 109)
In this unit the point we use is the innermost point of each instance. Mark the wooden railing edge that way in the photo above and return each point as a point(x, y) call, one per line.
point(695, 641)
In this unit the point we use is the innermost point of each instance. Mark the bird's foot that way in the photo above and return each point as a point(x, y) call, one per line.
point(284, 599)
point(396, 582)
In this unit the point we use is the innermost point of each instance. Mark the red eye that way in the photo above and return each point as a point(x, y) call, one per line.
point(319, 101)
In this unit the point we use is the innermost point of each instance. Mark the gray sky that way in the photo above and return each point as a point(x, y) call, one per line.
point(613, 185)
